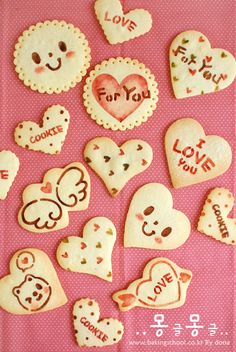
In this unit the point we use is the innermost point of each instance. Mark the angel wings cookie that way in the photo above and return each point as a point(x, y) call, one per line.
point(46, 205)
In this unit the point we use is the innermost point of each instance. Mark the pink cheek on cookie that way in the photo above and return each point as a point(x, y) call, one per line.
point(70, 54)
point(34, 306)
point(158, 240)
point(46, 290)
point(139, 216)
point(39, 69)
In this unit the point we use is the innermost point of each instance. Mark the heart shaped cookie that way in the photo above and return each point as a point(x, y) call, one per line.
point(46, 205)
point(214, 220)
point(47, 137)
point(9, 166)
point(120, 93)
point(117, 165)
point(192, 156)
point(162, 286)
point(91, 253)
point(89, 330)
point(196, 68)
point(152, 222)
point(32, 285)
point(119, 27)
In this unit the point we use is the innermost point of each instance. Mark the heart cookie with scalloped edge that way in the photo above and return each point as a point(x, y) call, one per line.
point(9, 166)
point(163, 286)
point(116, 165)
point(91, 253)
point(197, 68)
point(214, 220)
point(119, 27)
point(193, 156)
point(152, 222)
point(90, 330)
point(47, 137)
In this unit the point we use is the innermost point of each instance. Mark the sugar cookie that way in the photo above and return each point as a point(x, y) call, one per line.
point(9, 166)
point(163, 286)
point(47, 137)
point(32, 285)
point(90, 331)
point(214, 220)
point(46, 205)
point(152, 222)
point(119, 27)
point(192, 156)
point(116, 165)
point(91, 253)
point(52, 57)
point(196, 68)
point(120, 93)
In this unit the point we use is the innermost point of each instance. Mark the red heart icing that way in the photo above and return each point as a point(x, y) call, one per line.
point(47, 188)
point(25, 260)
point(83, 245)
point(65, 255)
point(121, 107)
point(99, 260)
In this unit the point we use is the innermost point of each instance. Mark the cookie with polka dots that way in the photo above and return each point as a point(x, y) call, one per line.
point(90, 330)
point(9, 167)
point(32, 286)
point(152, 222)
point(91, 253)
point(193, 156)
point(197, 68)
point(214, 220)
point(118, 26)
point(52, 56)
point(116, 165)
point(120, 93)
point(163, 285)
point(47, 137)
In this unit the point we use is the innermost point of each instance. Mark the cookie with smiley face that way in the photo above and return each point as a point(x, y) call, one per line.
point(52, 57)
point(152, 222)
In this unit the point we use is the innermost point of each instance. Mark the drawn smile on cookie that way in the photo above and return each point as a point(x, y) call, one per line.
point(164, 233)
point(54, 68)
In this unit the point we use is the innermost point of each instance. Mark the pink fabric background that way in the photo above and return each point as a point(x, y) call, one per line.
point(211, 293)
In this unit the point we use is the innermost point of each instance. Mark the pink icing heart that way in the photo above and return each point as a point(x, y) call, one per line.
point(120, 100)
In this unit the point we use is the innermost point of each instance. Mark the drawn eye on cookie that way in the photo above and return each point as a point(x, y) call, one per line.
point(33, 293)
point(52, 57)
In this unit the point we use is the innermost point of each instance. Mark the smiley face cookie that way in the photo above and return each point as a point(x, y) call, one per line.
point(46, 205)
point(52, 57)
point(90, 330)
point(32, 285)
point(90, 254)
point(152, 222)
point(120, 93)
point(214, 220)
point(163, 286)
point(47, 137)
point(116, 165)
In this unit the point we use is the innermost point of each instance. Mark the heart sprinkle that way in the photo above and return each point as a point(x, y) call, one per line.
point(201, 40)
point(98, 245)
point(109, 232)
point(106, 158)
point(83, 245)
point(193, 72)
point(65, 255)
point(99, 260)
point(126, 166)
point(96, 227)
point(139, 147)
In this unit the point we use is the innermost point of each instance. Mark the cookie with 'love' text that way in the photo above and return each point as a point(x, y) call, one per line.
point(52, 56)
point(120, 93)
point(9, 166)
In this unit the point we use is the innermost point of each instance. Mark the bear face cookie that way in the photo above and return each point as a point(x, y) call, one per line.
point(196, 68)
point(152, 222)
point(92, 253)
point(116, 165)
point(32, 285)
point(51, 57)
point(214, 220)
point(90, 330)
point(163, 286)
point(46, 205)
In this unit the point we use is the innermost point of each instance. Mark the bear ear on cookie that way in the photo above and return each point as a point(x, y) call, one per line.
point(118, 26)
point(32, 285)
point(197, 68)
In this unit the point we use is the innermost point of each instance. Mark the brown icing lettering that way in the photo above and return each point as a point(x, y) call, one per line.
point(50, 132)
point(131, 25)
point(198, 158)
point(95, 331)
point(130, 94)
point(4, 174)
point(166, 279)
point(221, 223)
